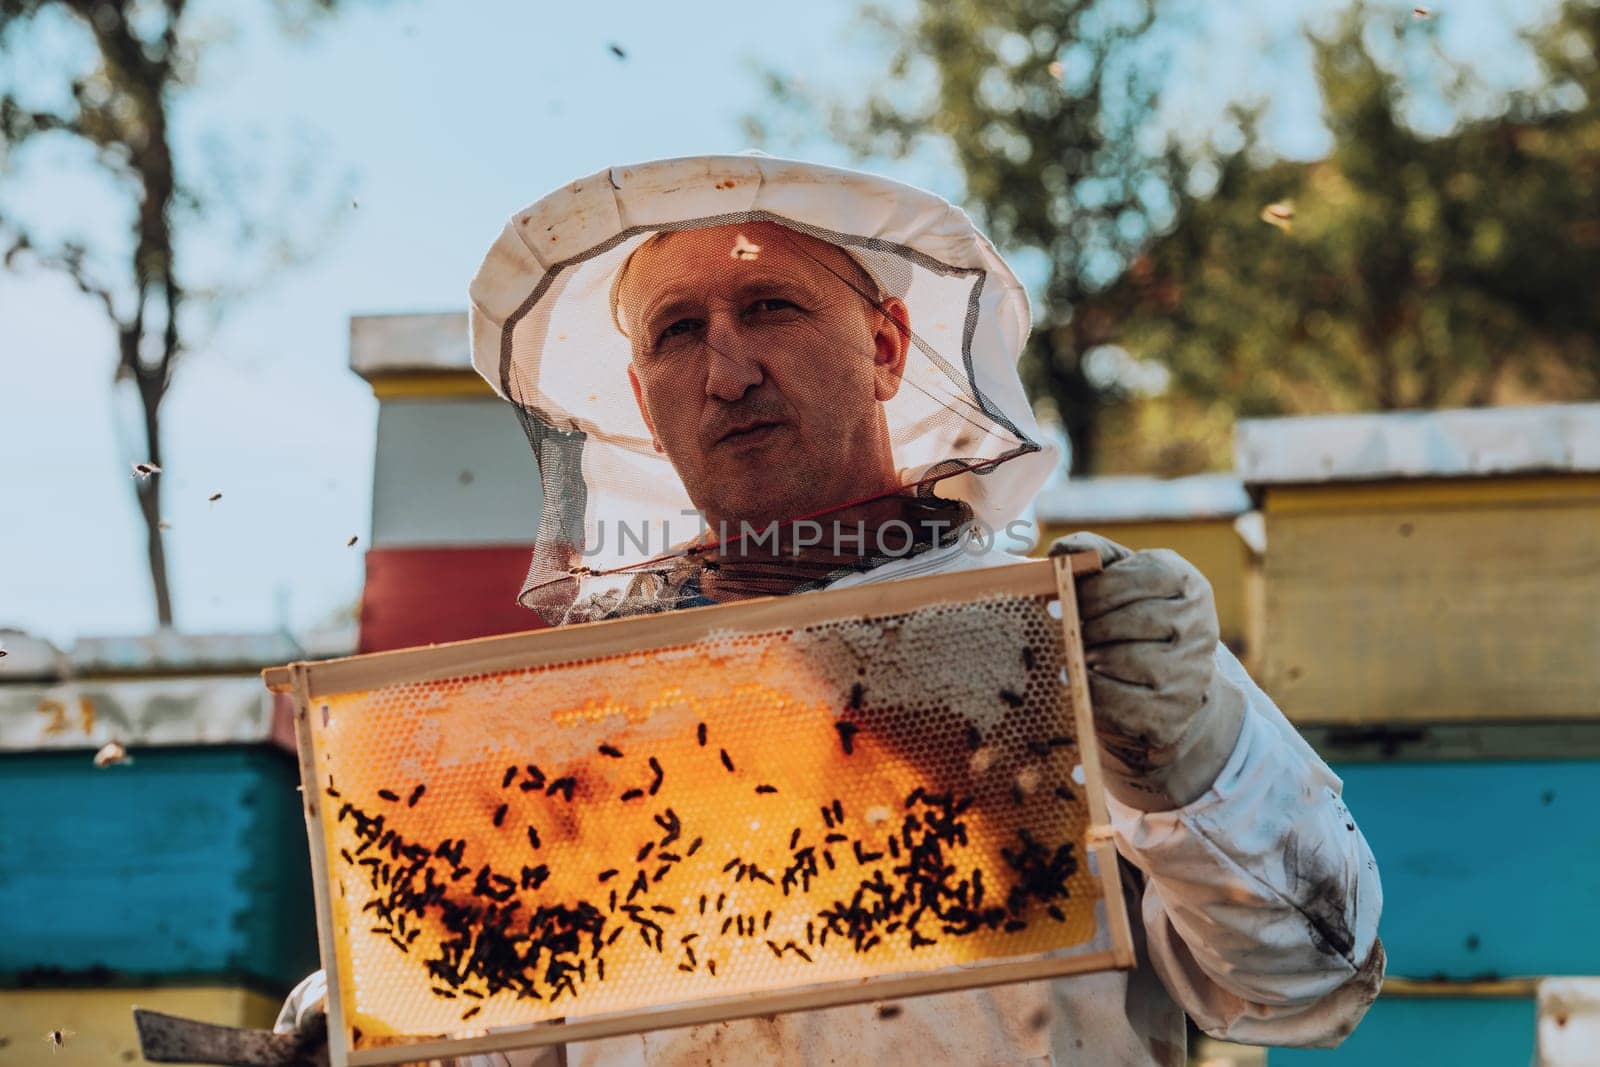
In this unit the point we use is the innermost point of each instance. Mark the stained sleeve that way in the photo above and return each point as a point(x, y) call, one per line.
point(1262, 897)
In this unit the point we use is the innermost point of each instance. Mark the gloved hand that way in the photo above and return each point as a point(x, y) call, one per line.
point(305, 1008)
point(1166, 721)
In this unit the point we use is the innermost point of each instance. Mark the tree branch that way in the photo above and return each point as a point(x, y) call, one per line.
point(68, 259)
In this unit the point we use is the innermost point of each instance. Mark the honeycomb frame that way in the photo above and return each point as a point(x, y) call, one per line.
point(728, 844)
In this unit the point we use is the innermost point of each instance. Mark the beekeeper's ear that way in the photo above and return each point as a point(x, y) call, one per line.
point(644, 412)
point(891, 340)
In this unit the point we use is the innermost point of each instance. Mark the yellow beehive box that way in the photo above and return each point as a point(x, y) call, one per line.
point(1206, 519)
point(97, 1024)
point(1430, 567)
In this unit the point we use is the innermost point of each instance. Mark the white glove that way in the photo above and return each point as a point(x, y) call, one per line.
point(304, 1005)
point(1166, 721)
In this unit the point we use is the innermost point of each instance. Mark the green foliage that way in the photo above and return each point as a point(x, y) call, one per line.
point(1043, 105)
point(1416, 270)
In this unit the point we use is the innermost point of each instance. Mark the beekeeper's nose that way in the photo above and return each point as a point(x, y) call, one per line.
point(733, 366)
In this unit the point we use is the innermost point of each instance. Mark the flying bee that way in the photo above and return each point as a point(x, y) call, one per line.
point(145, 470)
point(1421, 12)
point(352, 542)
point(163, 524)
point(744, 248)
point(111, 754)
point(1280, 215)
point(1057, 70)
point(57, 1039)
point(214, 497)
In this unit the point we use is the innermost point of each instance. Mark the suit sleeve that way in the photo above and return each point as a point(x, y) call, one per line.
point(1261, 897)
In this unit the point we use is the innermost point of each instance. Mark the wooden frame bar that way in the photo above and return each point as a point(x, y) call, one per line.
point(1053, 579)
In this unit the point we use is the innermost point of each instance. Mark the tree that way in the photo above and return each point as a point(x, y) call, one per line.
point(1416, 271)
point(122, 105)
point(1418, 268)
point(1044, 105)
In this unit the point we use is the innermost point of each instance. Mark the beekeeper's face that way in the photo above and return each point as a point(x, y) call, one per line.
point(761, 365)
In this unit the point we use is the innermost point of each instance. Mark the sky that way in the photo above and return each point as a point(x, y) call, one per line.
point(426, 124)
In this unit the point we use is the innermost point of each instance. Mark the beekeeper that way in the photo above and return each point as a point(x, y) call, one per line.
point(745, 376)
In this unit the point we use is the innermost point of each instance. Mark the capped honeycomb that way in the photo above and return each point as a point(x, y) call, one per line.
point(751, 812)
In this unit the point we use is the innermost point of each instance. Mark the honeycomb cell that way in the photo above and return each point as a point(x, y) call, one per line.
point(753, 812)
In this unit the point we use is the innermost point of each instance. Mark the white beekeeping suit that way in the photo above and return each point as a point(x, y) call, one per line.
point(644, 322)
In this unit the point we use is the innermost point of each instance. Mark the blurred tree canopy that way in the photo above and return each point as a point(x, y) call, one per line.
point(1404, 269)
point(136, 61)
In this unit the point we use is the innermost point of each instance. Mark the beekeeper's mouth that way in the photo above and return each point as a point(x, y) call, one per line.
point(751, 433)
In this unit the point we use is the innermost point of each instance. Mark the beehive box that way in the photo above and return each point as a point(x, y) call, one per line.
point(770, 806)
point(1430, 567)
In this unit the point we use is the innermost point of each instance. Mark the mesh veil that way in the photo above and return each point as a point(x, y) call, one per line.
point(714, 280)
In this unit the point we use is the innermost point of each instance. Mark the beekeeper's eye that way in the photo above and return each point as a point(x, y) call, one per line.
point(772, 305)
point(677, 331)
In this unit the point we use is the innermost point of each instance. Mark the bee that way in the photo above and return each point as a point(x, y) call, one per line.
point(744, 248)
point(111, 754)
point(1280, 215)
point(617, 50)
point(352, 542)
point(142, 471)
point(1057, 70)
point(982, 759)
point(163, 524)
point(1421, 13)
point(214, 497)
point(57, 1039)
